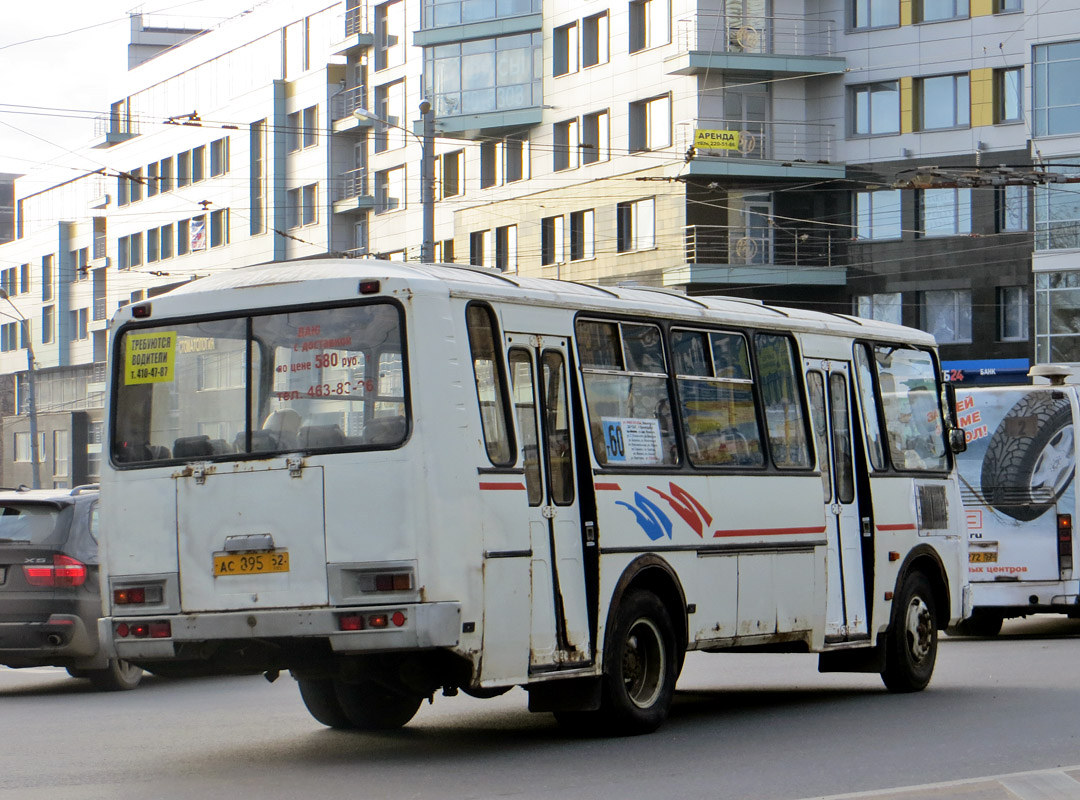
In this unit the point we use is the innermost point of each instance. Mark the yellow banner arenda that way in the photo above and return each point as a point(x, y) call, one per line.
point(716, 140)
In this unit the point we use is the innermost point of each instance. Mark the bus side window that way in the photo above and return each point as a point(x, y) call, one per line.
point(490, 379)
point(865, 379)
point(785, 418)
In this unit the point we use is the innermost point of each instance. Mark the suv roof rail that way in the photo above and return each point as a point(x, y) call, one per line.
point(86, 487)
point(22, 487)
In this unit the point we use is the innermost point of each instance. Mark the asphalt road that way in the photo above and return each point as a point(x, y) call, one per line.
point(743, 726)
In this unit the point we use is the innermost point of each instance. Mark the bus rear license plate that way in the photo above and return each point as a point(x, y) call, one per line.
point(982, 557)
point(251, 563)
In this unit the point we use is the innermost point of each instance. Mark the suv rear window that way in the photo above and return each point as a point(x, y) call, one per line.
point(33, 523)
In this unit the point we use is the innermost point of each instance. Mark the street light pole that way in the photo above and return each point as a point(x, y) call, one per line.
point(31, 404)
point(427, 172)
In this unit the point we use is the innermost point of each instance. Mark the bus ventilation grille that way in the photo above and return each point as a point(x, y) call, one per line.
point(933, 509)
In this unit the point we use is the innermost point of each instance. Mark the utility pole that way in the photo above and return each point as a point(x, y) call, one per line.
point(31, 403)
point(427, 182)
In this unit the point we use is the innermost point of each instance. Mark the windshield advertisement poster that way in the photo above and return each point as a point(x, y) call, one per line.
point(1016, 474)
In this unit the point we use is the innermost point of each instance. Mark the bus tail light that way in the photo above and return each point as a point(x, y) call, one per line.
point(363, 622)
point(1065, 541)
point(390, 580)
point(65, 571)
point(137, 595)
point(155, 629)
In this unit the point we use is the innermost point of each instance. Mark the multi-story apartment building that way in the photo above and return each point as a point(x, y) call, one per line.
point(902, 159)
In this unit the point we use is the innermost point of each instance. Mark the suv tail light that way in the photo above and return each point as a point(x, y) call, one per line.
point(1065, 543)
point(64, 571)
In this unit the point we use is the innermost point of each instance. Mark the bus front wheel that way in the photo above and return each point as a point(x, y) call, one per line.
point(641, 666)
point(370, 706)
point(911, 641)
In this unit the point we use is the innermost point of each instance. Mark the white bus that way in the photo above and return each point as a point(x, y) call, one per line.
point(392, 479)
point(1016, 480)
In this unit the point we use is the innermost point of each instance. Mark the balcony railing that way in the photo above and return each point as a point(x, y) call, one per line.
point(356, 20)
point(721, 32)
point(762, 141)
point(115, 125)
point(353, 183)
point(768, 246)
point(343, 104)
point(101, 308)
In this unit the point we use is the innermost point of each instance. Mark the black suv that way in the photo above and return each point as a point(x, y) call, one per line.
point(50, 595)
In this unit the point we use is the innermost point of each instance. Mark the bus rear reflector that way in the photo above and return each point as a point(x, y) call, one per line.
point(1064, 526)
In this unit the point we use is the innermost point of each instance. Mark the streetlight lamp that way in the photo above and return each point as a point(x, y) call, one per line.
point(427, 172)
point(31, 405)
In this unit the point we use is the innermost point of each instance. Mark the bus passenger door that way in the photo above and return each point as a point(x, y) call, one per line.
point(560, 635)
point(845, 614)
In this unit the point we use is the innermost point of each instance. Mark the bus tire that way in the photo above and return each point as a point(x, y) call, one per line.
point(320, 699)
point(640, 667)
point(370, 706)
point(981, 623)
point(1015, 466)
point(119, 676)
point(911, 640)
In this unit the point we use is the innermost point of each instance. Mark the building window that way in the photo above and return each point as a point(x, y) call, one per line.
point(581, 235)
point(257, 170)
point(636, 225)
point(935, 10)
point(183, 237)
point(489, 164)
point(1055, 90)
point(877, 214)
point(516, 158)
point(480, 248)
point(945, 212)
point(946, 314)
point(551, 240)
point(876, 108)
point(1057, 317)
point(198, 234)
point(1008, 95)
point(884, 306)
point(451, 173)
point(24, 278)
point(390, 106)
point(565, 152)
point(78, 318)
point(595, 137)
point(80, 263)
point(152, 180)
point(22, 447)
point(944, 101)
point(506, 248)
point(219, 157)
point(183, 169)
point(485, 75)
point(294, 132)
point(47, 274)
point(198, 163)
point(9, 336)
point(219, 220)
point(875, 13)
point(61, 454)
point(389, 34)
point(1012, 308)
point(7, 280)
point(166, 237)
point(1008, 6)
point(47, 313)
point(650, 24)
point(594, 40)
point(152, 245)
point(564, 50)
point(302, 207)
point(1057, 211)
point(389, 189)
point(650, 124)
point(1012, 208)
point(165, 175)
point(136, 185)
point(311, 126)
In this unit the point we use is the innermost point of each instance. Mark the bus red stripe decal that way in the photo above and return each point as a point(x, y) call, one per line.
point(495, 487)
point(769, 531)
point(906, 526)
point(606, 487)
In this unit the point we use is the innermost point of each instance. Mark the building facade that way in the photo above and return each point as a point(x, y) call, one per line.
point(909, 160)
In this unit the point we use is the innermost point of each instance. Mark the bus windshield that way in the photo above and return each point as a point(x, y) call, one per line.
point(303, 380)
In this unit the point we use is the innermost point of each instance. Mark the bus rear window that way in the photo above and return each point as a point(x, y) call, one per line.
point(303, 380)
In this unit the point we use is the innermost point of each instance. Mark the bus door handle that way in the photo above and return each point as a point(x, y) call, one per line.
point(590, 534)
point(867, 528)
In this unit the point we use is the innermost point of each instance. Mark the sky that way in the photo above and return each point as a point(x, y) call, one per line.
point(61, 63)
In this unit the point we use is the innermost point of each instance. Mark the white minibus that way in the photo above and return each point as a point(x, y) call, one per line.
point(392, 479)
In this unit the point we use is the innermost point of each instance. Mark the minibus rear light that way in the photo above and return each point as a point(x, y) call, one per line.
point(137, 595)
point(350, 622)
point(378, 620)
point(141, 312)
point(393, 582)
point(161, 629)
point(369, 287)
point(1065, 544)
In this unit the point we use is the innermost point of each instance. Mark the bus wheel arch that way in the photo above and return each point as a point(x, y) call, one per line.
point(653, 574)
point(923, 559)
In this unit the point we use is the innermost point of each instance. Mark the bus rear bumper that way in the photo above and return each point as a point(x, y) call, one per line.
point(422, 626)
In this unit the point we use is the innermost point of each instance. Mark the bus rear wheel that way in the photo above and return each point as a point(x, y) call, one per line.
point(911, 641)
point(320, 699)
point(641, 665)
point(370, 706)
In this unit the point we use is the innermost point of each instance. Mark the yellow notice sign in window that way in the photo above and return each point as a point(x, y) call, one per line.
point(716, 140)
point(151, 357)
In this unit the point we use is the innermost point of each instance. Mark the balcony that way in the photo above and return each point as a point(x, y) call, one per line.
point(352, 192)
point(101, 308)
point(758, 149)
point(763, 254)
point(342, 106)
point(112, 129)
point(356, 31)
point(715, 40)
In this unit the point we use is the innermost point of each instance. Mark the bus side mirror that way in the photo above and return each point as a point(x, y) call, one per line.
point(957, 438)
